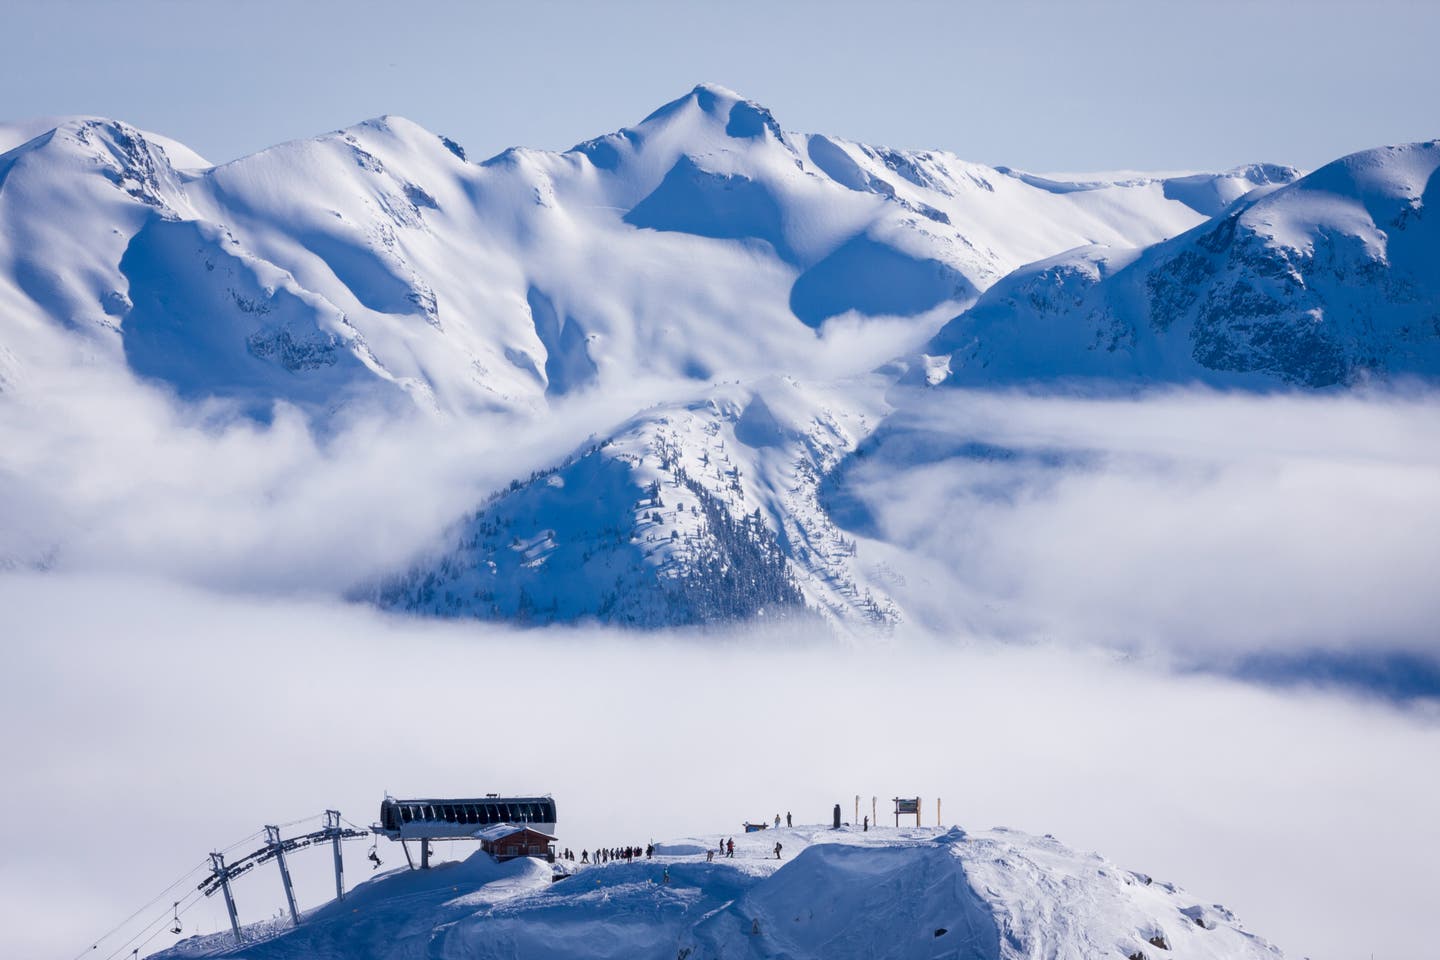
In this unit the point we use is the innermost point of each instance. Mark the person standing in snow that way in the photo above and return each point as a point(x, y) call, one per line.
point(730, 849)
point(710, 856)
point(867, 824)
point(787, 819)
point(777, 821)
point(584, 856)
point(777, 849)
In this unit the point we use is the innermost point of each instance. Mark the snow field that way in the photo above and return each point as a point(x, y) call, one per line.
point(901, 893)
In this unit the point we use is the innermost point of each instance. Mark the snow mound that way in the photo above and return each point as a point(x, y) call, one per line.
point(835, 895)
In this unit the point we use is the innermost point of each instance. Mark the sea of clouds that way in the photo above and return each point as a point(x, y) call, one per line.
point(180, 668)
point(1192, 521)
point(151, 723)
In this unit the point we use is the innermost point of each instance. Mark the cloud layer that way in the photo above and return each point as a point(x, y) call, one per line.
point(1188, 521)
point(100, 473)
point(179, 721)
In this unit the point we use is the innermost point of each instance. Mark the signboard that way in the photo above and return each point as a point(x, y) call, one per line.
point(907, 806)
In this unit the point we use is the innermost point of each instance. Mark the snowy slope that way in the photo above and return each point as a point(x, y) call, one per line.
point(1326, 281)
point(764, 278)
point(836, 895)
point(691, 512)
point(378, 262)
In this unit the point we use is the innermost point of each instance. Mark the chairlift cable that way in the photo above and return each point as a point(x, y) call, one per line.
point(188, 901)
point(95, 945)
point(138, 947)
point(196, 869)
point(313, 816)
point(161, 921)
point(242, 840)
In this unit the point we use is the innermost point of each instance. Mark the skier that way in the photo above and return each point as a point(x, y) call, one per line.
point(777, 849)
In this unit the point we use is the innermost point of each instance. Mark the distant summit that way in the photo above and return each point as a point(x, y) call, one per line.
point(769, 286)
point(1322, 281)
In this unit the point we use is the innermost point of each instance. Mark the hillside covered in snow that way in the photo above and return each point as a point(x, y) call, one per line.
point(1326, 281)
point(764, 301)
point(379, 261)
point(833, 895)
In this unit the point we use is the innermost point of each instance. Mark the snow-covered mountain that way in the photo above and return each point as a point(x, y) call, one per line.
point(762, 281)
point(689, 513)
point(1325, 281)
point(702, 243)
point(835, 895)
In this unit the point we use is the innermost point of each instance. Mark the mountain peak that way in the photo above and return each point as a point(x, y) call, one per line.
point(743, 119)
point(716, 90)
point(708, 120)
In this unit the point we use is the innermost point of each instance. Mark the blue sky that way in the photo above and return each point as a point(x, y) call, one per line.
point(1039, 85)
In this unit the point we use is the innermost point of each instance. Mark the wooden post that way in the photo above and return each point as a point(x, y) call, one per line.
point(937, 811)
point(857, 809)
point(919, 806)
point(874, 812)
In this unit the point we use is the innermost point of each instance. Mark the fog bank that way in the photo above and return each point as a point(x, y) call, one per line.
point(164, 722)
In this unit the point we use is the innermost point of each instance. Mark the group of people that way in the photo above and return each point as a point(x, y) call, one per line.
point(613, 854)
point(727, 849)
point(633, 853)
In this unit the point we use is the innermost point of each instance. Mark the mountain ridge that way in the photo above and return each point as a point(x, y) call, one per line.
point(779, 284)
point(1321, 282)
point(386, 224)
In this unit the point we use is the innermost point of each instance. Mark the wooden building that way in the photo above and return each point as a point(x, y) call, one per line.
point(506, 841)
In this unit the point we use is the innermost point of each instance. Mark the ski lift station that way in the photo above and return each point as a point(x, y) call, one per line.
point(505, 826)
point(461, 819)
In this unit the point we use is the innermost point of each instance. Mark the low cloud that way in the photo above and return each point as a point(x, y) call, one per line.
point(100, 473)
point(1211, 527)
point(1191, 522)
point(162, 722)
